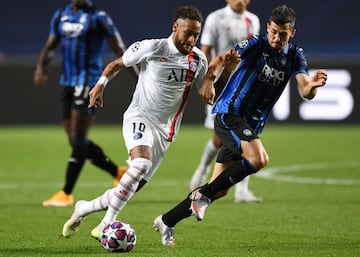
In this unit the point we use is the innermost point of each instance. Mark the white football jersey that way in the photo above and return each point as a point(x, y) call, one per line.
point(165, 79)
point(224, 28)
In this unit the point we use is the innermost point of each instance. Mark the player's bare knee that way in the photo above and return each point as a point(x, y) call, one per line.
point(259, 161)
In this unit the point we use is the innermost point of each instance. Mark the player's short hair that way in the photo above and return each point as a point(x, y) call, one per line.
point(188, 12)
point(282, 15)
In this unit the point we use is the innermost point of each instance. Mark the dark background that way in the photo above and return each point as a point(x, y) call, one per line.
point(325, 29)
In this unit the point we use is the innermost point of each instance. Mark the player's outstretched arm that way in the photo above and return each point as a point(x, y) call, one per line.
point(308, 85)
point(110, 71)
point(220, 68)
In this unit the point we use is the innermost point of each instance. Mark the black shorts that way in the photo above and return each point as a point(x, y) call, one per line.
point(231, 130)
point(76, 98)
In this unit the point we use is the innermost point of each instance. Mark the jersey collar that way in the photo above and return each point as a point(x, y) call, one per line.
point(172, 47)
point(229, 12)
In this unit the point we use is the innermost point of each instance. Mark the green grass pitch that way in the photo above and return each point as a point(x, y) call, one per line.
point(311, 197)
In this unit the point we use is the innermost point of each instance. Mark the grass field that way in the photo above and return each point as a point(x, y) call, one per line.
point(311, 197)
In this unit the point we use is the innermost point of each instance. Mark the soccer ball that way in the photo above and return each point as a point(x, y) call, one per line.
point(118, 236)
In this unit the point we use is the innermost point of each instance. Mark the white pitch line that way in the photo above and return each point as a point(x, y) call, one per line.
point(155, 182)
point(273, 173)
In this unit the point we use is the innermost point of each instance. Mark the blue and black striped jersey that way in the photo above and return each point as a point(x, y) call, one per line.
point(259, 80)
point(82, 36)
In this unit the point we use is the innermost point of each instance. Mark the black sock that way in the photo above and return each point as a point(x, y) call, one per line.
point(99, 159)
point(75, 164)
point(179, 212)
point(236, 172)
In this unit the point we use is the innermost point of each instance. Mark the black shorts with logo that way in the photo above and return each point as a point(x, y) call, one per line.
point(232, 129)
point(76, 98)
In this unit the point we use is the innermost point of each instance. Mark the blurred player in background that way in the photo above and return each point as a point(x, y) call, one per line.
point(266, 64)
point(169, 68)
point(224, 28)
point(81, 29)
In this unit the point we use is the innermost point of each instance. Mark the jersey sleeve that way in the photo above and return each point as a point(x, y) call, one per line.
point(256, 25)
point(137, 52)
point(54, 24)
point(209, 35)
point(301, 62)
point(244, 46)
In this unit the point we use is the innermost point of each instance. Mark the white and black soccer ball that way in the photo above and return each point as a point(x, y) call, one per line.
point(118, 236)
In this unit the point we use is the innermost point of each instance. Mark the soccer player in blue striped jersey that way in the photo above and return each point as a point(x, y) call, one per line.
point(222, 29)
point(81, 29)
point(266, 64)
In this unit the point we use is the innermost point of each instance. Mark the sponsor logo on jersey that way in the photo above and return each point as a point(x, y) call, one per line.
point(271, 76)
point(193, 66)
point(72, 29)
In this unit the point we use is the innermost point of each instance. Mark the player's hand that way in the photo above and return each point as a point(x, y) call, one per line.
point(207, 91)
point(96, 96)
point(319, 78)
point(40, 77)
point(232, 58)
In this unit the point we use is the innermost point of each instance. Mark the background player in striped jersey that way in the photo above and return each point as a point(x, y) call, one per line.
point(224, 28)
point(169, 68)
point(242, 109)
point(81, 29)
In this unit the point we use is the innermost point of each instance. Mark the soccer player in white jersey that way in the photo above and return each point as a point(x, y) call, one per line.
point(224, 28)
point(169, 68)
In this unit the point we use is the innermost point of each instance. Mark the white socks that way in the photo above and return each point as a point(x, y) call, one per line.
point(115, 199)
point(201, 173)
point(126, 188)
point(242, 187)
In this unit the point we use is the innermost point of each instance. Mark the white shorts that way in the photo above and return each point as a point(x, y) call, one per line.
point(137, 130)
point(209, 118)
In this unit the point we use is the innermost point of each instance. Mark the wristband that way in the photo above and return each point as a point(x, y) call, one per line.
point(103, 80)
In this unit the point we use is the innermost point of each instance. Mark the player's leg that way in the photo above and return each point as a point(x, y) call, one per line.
point(165, 223)
point(242, 146)
point(210, 151)
point(147, 147)
point(95, 153)
point(201, 173)
point(125, 190)
point(73, 125)
point(242, 194)
point(97, 157)
point(112, 200)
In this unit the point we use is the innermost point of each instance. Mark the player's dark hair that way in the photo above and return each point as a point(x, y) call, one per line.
point(188, 12)
point(282, 15)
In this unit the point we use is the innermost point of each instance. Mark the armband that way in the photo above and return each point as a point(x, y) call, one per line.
point(103, 80)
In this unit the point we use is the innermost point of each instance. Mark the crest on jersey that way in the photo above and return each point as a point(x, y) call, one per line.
point(193, 66)
point(247, 132)
point(138, 135)
point(283, 61)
